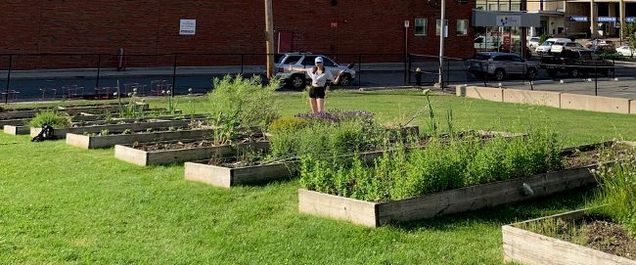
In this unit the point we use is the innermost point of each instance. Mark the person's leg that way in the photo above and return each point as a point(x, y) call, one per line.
point(313, 104)
point(321, 104)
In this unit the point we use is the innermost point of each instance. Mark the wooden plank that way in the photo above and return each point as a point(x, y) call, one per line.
point(90, 142)
point(61, 133)
point(355, 211)
point(208, 174)
point(525, 247)
point(131, 155)
point(163, 157)
point(14, 122)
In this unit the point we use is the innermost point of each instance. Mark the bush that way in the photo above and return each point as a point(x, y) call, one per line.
point(324, 135)
point(441, 165)
point(243, 101)
point(52, 118)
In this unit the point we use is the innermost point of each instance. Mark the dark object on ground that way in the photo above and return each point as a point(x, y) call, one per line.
point(47, 133)
point(418, 76)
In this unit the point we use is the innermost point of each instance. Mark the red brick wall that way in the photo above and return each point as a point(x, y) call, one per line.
point(148, 27)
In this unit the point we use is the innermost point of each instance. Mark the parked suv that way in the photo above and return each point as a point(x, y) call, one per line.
point(500, 65)
point(292, 68)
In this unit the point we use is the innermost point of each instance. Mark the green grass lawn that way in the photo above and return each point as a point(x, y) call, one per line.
point(63, 205)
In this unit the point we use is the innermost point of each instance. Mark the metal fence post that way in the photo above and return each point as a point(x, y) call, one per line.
point(447, 74)
point(359, 71)
point(6, 91)
point(99, 69)
point(242, 63)
point(595, 78)
point(410, 69)
point(174, 76)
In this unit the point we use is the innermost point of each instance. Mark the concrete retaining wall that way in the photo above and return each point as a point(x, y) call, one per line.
point(532, 97)
point(594, 103)
point(551, 99)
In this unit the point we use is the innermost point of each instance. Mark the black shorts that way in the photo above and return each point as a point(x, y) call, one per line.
point(317, 92)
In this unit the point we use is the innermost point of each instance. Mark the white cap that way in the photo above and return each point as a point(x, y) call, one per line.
point(318, 60)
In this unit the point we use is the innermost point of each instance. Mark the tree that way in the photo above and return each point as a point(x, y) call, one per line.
point(630, 36)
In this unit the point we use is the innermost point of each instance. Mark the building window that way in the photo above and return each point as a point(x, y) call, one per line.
point(462, 27)
point(421, 26)
point(438, 27)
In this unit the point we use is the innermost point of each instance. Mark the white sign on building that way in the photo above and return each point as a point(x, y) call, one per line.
point(187, 27)
point(509, 21)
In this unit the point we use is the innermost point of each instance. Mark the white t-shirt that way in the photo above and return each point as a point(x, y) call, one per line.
point(319, 80)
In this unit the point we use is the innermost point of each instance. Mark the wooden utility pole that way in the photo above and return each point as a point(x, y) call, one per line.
point(269, 37)
point(621, 10)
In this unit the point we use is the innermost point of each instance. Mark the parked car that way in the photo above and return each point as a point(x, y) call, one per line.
point(547, 45)
point(626, 51)
point(292, 69)
point(576, 63)
point(533, 42)
point(600, 45)
point(500, 66)
point(559, 46)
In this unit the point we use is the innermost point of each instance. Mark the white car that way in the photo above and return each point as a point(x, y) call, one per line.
point(547, 44)
point(292, 68)
point(626, 51)
point(533, 42)
point(558, 47)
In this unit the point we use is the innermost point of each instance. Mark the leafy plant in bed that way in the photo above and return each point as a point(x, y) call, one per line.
point(604, 233)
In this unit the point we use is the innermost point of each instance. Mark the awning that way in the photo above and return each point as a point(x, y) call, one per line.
point(483, 18)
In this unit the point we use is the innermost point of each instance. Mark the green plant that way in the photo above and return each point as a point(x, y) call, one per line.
point(618, 187)
point(53, 118)
point(245, 101)
point(287, 123)
point(629, 33)
point(104, 132)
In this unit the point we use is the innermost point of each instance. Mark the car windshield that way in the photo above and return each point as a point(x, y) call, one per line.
point(548, 43)
point(534, 39)
point(481, 56)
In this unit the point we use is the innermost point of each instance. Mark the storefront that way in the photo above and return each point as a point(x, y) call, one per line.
point(502, 30)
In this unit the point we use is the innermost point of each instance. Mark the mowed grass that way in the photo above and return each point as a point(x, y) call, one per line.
point(64, 205)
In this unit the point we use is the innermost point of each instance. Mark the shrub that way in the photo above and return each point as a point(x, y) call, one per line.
point(287, 123)
point(323, 139)
point(52, 118)
point(245, 101)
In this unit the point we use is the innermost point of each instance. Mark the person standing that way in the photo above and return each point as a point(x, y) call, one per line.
point(320, 79)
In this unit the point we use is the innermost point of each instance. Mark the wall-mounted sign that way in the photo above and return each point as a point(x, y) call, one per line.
point(509, 21)
point(606, 19)
point(578, 18)
point(187, 27)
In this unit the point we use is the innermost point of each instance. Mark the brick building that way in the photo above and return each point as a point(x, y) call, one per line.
point(150, 27)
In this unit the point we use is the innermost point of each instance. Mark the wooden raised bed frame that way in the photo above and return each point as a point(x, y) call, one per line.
point(471, 198)
point(105, 141)
point(525, 247)
point(16, 129)
point(139, 126)
point(165, 157)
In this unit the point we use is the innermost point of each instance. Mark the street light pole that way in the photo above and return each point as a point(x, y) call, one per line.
point(441, 44)
point(406, 50)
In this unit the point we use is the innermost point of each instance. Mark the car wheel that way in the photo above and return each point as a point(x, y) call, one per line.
point(345, 80)
point(531, 73)
point(297, 82)
point(575, 73)
point(552, 73)
point(500, 74)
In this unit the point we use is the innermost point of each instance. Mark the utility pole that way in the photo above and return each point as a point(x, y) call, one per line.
point(269, 37)
point(442, 30)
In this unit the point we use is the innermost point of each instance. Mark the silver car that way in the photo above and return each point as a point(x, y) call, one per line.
point(501, 65)
point(292, 68)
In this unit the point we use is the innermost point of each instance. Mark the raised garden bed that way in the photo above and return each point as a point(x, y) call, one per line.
point(523, 246)
point(17, 129)
point(163, 153)
point(72, 110)
point(110, 140)
point(576, 174)
point(118, 127)
point(232, 173)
